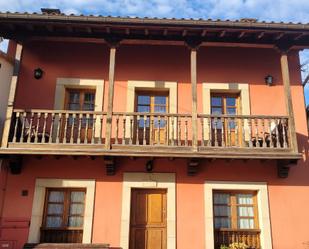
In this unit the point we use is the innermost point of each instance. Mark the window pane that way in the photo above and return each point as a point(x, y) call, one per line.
point(246, 223)
point(88, 107)
point(230, 101)
point(77, 196)
point(89, 97)
point(245, 211)
point(216, 110)
point(74, 107)
point(222, 223)
point(145, 100)
point(143, 108)
point(244, 199)
point(231, 111)
point(53, 222)
point(56, 196)
point(222, 210)
point(55, 209)
point(216, 101)
point(76, 221)
point(161, 109)
point(74, 97)
point(77, 209)
point(160, 100)
point(221, 198)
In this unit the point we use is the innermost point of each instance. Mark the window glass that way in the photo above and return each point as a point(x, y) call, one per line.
point(216, 101)
point(143, 100)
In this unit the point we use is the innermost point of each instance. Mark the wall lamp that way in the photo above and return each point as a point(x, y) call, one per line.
point(38, 73)
point(269, 80)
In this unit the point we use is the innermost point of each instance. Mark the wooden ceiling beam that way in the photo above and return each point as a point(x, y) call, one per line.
point(204, 32)
point(222, 34)
point(127, 31)
point(261, 35)
point(299, 36)
point(279, 36)
point(146, 32)
point(165, 32)
point(241, 35)
point(184, 32)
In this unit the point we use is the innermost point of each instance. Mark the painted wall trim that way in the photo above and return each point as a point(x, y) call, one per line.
point(148, 180)
point(263, 208)
point(39, 198)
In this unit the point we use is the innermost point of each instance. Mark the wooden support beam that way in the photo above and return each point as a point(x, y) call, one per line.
point(89, 30)
point(204, 32)
point(222, 34)
point(192, 167)
point(184, 32)
point(146, 31)
point(288, 99)
point(108, 30)
point(299, 36)
point(261, 35)
point(110, 166)
point(15, 164)
point(11, 98)
point(165, 32)
point(194, 97)
point(241, 35)
point(279, 36)
point(112, 58)
point(127, 31)
point(283, 167)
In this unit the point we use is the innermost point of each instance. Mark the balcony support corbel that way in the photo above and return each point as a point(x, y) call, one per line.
point(11, 98)
point(192, 167)
point(113, 43)
point(283, 167)
point(110, 165)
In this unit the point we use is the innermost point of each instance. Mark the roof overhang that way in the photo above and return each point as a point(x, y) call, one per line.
point(20, 27)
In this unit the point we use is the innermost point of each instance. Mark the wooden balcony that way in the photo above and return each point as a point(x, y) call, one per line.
point(149, 134)
point(250, 237)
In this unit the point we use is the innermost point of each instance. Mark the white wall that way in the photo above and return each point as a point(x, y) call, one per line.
point(6, 71)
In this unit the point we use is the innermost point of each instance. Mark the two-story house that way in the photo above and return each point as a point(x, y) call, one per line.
point(154, 133)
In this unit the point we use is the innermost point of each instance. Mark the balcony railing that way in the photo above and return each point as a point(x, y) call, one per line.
point(138, 131)
point(250, 237)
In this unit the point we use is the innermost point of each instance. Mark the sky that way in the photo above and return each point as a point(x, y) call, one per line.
point(264, 10)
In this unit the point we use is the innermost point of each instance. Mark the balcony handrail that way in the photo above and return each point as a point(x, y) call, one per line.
point(184, 115)
point(59, 111)
point(241, 116)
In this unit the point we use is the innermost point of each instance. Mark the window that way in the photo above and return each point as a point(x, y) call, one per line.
point(80, 100)
point(224, 129)
point(156, 127)
point(63, 215)
point(236, 218)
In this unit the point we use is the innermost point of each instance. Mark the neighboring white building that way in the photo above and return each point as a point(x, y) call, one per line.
point(6, 71)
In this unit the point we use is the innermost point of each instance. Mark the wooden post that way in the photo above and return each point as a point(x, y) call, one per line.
point(288, 100)
point(194, 97)
point(110, 97)
point(11, 98)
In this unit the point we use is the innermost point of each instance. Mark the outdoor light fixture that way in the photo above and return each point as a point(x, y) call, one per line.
point(269, 80)
point(38, 73)
point(149, 165)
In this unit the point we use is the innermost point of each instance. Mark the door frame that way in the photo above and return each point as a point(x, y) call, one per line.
point(151, 181)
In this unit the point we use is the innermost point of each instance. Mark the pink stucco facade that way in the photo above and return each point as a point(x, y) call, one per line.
point(288, 198)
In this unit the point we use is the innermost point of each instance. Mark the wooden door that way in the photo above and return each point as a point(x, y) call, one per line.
point(228, 129)
point(148, 219)
point(156, 128)
point(80, 100)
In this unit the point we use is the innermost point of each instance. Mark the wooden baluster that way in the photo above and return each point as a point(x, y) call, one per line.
point(144, 130)
point(277, 134)
point(37, 127)
point(172, 131)
point(131, 130)
point(94, 120)
point(202, 127)
point(179, 132)
point(72, 117)
point(117, 129)
point(186, 131)
point(209, 120)
point(166, 131)
point(80, 118)
point(86, 129)
point(271, 144)
point(250, 132)
point(23, 118)
point(58, 128)
point(152, 130)
point(124, 130)
point(16, 126)
point(229, 139)
point(263, 136)
point(30, 127)
point(256, 132)
point(66, 116)
point(45, 115)
point(284, 131)
point(137, 129)
point(222, 132)
point(243, 132)
point(101, 128)
point(51, 128)
point(235, 120)
point(159, 130)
